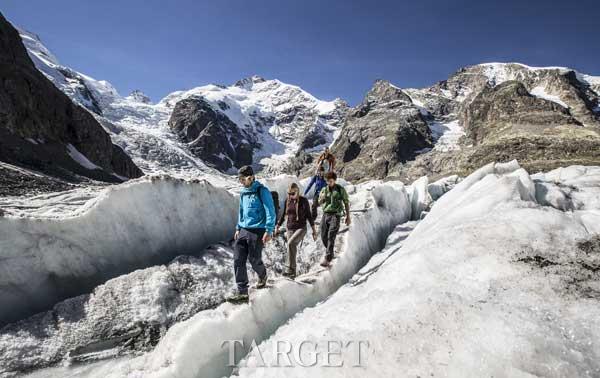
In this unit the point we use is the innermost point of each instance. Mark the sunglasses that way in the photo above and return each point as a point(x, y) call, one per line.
point(292, 193)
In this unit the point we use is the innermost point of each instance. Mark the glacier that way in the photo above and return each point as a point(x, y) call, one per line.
point(141, 223)
point(489, 283)
point(499, 277)
point(377, 208)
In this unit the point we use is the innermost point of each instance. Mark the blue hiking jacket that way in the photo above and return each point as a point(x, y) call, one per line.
point(256, 208)
point(319, 183)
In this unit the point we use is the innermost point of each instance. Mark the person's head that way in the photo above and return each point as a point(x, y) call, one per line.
point(326, 150)
point(246, 176)
point(331, 177)
point(293, 191)
point(321, 171)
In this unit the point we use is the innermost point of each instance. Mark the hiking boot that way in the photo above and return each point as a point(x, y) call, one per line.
point(262, 282)
point(289, 274)
point(325, 263)
point(237, 298)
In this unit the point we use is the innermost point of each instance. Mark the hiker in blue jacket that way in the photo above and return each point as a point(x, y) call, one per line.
point(319, 182)
point(256, 223)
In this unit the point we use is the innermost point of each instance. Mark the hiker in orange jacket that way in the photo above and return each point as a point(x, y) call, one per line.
point(327, 161)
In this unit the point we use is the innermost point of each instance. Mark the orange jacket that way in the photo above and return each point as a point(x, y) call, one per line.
point(329, 157)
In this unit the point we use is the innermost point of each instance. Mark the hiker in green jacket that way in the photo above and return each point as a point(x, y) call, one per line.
point(334, 200)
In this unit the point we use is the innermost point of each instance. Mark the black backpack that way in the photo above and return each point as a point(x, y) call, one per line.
point(275, 197)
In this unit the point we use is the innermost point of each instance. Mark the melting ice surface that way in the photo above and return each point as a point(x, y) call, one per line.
point(378, 207)
point(500, 279)
point(495, 281)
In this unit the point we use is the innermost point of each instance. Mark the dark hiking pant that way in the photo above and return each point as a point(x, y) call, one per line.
point(314, 207)
point(330, 225)
point(248, 246)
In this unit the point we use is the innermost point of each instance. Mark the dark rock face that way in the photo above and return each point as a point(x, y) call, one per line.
point(211, 135)
point(38, 122)
point(382, 132)
point(509, 109)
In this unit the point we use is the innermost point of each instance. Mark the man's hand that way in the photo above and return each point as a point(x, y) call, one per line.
point(276, 231)
point(236, 235)
point(266, 238)
point(348, 220)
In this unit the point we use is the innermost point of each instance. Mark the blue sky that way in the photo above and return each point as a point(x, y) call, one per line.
point(331, 48)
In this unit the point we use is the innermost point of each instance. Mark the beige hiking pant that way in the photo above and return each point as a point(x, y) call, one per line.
point(294, 237)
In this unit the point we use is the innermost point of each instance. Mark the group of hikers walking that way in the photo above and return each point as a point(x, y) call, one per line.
point(258, 221)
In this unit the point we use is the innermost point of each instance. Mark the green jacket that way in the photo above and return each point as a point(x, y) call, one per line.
point(334, 201)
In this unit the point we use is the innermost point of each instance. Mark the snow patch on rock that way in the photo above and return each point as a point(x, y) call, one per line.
point(446, 135)
point(540, 92)
point(80, 158)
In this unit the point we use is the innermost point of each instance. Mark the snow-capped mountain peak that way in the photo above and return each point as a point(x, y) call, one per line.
point(275, 118)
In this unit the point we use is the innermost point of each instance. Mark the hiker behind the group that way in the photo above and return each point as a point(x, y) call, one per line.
point(327, 161)
point(319, 182)
point(334, 200)
point(297, 211)
point(256, 223)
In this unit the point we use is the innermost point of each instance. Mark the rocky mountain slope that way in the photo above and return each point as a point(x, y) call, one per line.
point(42, 129)
point(482, 113)
point(489, 112)
point(187, 133)
point(385, 130)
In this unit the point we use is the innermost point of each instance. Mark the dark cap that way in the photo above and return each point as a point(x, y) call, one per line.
point(246, 171)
